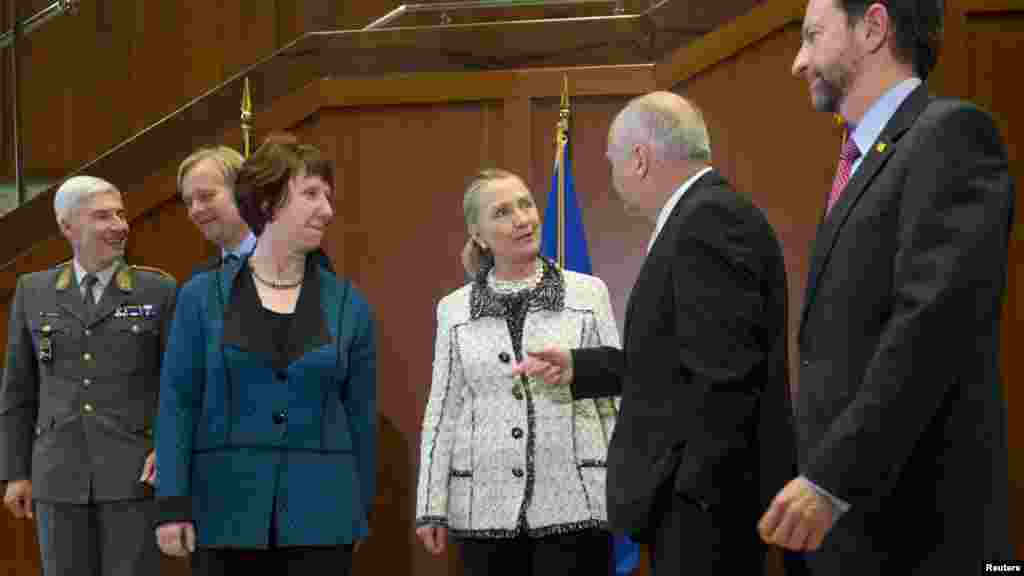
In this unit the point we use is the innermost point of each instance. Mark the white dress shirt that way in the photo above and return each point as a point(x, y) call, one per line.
point(666, 210)
point(102, 279)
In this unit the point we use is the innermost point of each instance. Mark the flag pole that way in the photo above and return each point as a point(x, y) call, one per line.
point(561, 140)
point(246, 120)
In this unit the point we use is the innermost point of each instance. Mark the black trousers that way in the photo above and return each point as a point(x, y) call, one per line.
point(693, 541)
point(333, 560)
point(583, 553)
point(98, 539)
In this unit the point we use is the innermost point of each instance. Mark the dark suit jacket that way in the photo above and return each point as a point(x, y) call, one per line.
point(79, 423)
point(899, 410)
point(702, 372)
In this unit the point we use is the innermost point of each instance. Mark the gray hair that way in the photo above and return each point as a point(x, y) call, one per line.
point(672, 125)
point(228, 160)
point(76, 190)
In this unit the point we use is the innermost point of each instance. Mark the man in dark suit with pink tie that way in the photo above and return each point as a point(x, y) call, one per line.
point(901, 423)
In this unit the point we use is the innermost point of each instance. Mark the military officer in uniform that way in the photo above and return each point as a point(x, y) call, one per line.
point(79, 394)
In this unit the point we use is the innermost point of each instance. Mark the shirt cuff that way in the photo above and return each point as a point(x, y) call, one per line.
point(839, 507)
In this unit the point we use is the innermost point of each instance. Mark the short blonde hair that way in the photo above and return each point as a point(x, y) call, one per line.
point(228, 160)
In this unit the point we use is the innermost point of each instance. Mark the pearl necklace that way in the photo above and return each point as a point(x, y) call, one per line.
point(273, 284)
point(512, 286)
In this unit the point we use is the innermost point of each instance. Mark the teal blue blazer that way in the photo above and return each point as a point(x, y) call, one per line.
point(241, 439)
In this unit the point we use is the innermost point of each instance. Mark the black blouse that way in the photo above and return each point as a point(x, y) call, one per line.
point(272, 338)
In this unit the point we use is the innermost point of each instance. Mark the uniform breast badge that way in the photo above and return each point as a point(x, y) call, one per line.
point(46, 344)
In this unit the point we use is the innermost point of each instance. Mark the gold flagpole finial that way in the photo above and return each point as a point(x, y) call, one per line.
point(246, 119)
point(561, 140)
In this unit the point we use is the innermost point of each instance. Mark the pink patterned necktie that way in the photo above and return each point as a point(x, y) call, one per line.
point(847, 157)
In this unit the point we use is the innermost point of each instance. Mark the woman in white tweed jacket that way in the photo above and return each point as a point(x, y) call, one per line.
point(511, 469)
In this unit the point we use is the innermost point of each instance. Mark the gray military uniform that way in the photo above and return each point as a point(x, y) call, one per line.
point(77, 403)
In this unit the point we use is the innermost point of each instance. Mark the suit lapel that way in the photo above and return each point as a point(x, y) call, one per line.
point(308, 329)
point(874, 160)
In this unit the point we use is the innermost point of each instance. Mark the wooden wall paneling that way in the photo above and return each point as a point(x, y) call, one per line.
point(352, 15)
point(492, 146)
point(202, 36)
point(250, 34)
point(951, 76)
point(994, 31)
point(101, 75)
point(727, 40)
point(518, 137)
point(401, 240)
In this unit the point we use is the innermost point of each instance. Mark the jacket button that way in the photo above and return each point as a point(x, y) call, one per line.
point(86, 356)
point(805, 363)
point(88, 332)
point(504, 357)
point(517, 472)
point(87, 408)
point(280, 417)
point(86, 382)
point(517, 433)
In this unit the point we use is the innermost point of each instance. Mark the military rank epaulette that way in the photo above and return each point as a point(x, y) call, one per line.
point(126, 280)
point(154, 270)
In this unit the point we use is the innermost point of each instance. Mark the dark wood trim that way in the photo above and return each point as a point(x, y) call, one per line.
point(727, 41)
point(973, 7)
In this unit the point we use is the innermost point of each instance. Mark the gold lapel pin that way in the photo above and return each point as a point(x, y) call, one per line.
point(881, 146)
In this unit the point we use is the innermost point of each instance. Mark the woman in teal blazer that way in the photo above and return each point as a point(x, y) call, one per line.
point(266, 430)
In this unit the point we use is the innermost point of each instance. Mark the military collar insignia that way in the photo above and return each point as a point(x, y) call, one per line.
point(64, 277)
point(124, 279)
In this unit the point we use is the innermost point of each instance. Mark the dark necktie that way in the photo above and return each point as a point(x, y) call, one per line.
point(847, 157)
point(89, 282)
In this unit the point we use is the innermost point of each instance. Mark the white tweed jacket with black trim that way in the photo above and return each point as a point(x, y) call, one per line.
point(501, 456)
